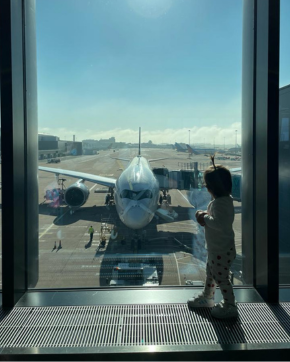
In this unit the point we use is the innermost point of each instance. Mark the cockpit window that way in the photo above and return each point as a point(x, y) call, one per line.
point(136, 195)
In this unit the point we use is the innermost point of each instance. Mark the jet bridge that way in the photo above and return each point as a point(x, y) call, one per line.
point(193, 179)
point(178, 179)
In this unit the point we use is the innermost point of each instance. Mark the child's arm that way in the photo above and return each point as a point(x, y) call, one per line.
point(219, 212)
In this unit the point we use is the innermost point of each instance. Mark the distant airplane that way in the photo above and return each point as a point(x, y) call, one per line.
point(180, 148)
point(191, 151)
point(136, 191)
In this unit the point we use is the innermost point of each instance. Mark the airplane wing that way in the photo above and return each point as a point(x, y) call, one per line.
point(104, 181)
point(237, 169)
point(128, 160)
point(159, 159)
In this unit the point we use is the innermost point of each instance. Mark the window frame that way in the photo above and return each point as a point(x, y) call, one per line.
point(261, 24)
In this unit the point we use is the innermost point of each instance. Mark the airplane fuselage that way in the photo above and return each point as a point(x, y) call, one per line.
point(136, 194)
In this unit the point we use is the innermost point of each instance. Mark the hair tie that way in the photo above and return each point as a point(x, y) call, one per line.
point(212, 160)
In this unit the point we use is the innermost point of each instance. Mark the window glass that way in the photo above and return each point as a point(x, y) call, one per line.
point(284, 149)
point(106, 68)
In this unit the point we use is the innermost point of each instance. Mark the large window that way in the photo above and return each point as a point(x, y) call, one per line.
point(106, 68)
point(284, 143)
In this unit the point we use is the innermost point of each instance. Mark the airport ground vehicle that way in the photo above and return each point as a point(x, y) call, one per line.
point(53, 160)
point(134, 274)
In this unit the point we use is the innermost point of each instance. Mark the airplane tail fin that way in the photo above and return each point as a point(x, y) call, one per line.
point(139, 153)
point(191, 150)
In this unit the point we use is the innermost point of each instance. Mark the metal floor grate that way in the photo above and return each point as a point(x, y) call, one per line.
point(139, 325)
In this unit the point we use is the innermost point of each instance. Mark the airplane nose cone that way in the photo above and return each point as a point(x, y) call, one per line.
point(136, 218)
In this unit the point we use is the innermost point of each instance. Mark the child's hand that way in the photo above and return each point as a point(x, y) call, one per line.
point(200, 217)
point(198, 212)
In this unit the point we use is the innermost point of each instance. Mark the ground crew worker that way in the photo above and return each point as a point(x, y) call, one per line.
point(91, 232)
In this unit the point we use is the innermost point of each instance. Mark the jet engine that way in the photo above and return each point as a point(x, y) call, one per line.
point(76, 194)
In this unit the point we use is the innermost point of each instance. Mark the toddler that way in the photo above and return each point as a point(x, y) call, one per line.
point(219, 236)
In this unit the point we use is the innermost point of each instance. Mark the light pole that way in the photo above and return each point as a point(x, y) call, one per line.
point(224, 144)
point(189, 137)
point(236, 146)
point(214, 144)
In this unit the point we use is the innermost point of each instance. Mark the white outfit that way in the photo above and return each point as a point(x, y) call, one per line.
point(219, 235)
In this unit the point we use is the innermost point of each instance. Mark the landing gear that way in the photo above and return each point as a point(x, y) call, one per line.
point(60, 182)
point(135, 243)
point(110, 197)
point(165, 197)
point(103, 243)
point(138, 241)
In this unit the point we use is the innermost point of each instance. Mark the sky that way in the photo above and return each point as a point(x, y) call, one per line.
point(172, 67)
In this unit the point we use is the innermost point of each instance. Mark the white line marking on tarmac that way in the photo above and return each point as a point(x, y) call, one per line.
point(53, 224)
point(93, 187)
point(185, 198)
point(180, 262)
point(90, 266)
point(177, 269)
point(183, 257)
point(45, 232)
point(78, 226)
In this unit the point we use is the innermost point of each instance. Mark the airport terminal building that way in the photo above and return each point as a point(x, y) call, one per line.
point(50, 146)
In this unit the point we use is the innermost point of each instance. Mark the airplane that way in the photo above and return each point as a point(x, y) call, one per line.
point(180, 147)
point(136, 191)
point(191, 151)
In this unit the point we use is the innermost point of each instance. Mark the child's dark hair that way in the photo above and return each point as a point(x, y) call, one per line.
point(218, 179)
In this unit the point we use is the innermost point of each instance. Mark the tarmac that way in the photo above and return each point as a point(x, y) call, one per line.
point(68, 260)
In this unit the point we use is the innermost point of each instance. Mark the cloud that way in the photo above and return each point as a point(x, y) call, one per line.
point(105, 116)
point(204, 134)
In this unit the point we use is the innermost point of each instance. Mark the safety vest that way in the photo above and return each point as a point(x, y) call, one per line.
point(91, 230)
